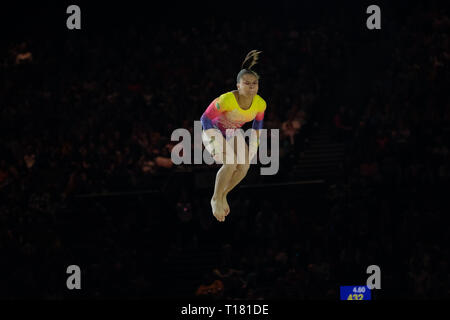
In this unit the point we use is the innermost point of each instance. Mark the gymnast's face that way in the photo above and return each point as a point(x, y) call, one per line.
point(248, 85)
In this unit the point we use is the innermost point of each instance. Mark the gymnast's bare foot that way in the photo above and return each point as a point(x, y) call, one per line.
point(226, 207)
point(217, 209)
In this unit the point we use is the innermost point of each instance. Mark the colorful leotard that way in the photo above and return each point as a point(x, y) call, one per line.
point(224, 113)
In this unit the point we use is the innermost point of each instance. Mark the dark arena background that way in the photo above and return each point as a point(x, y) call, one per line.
point(86, 177)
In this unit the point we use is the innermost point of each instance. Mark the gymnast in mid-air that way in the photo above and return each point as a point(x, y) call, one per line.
point(231, 111)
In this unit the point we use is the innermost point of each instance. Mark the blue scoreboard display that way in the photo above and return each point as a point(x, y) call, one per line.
point(355, 293)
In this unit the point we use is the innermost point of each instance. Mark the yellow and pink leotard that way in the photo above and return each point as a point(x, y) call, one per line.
point(224, 113)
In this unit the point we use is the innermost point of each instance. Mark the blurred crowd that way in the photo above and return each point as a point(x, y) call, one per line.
point(93, 113)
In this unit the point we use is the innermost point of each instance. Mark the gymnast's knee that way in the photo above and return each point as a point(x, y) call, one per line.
point(227, 164)
point(243, 168)
point(231, 167)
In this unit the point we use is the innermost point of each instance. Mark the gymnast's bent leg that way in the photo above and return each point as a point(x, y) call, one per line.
point(242, 166)
point(226, 157)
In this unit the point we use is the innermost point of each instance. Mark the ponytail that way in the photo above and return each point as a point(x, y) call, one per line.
point(250, 60)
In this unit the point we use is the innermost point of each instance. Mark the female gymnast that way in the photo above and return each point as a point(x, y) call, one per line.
point(232, 110)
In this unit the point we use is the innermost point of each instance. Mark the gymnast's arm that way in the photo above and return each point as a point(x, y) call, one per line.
point(212, 133)
point(254, 138)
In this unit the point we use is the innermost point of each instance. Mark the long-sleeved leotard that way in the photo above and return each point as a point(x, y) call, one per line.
point(224, 113)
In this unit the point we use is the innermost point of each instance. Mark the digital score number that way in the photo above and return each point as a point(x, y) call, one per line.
point(355, 293)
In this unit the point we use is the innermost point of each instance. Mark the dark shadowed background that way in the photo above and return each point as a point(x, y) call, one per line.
point(86, 178)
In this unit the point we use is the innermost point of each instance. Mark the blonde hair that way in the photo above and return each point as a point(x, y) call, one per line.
point(250, 60)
